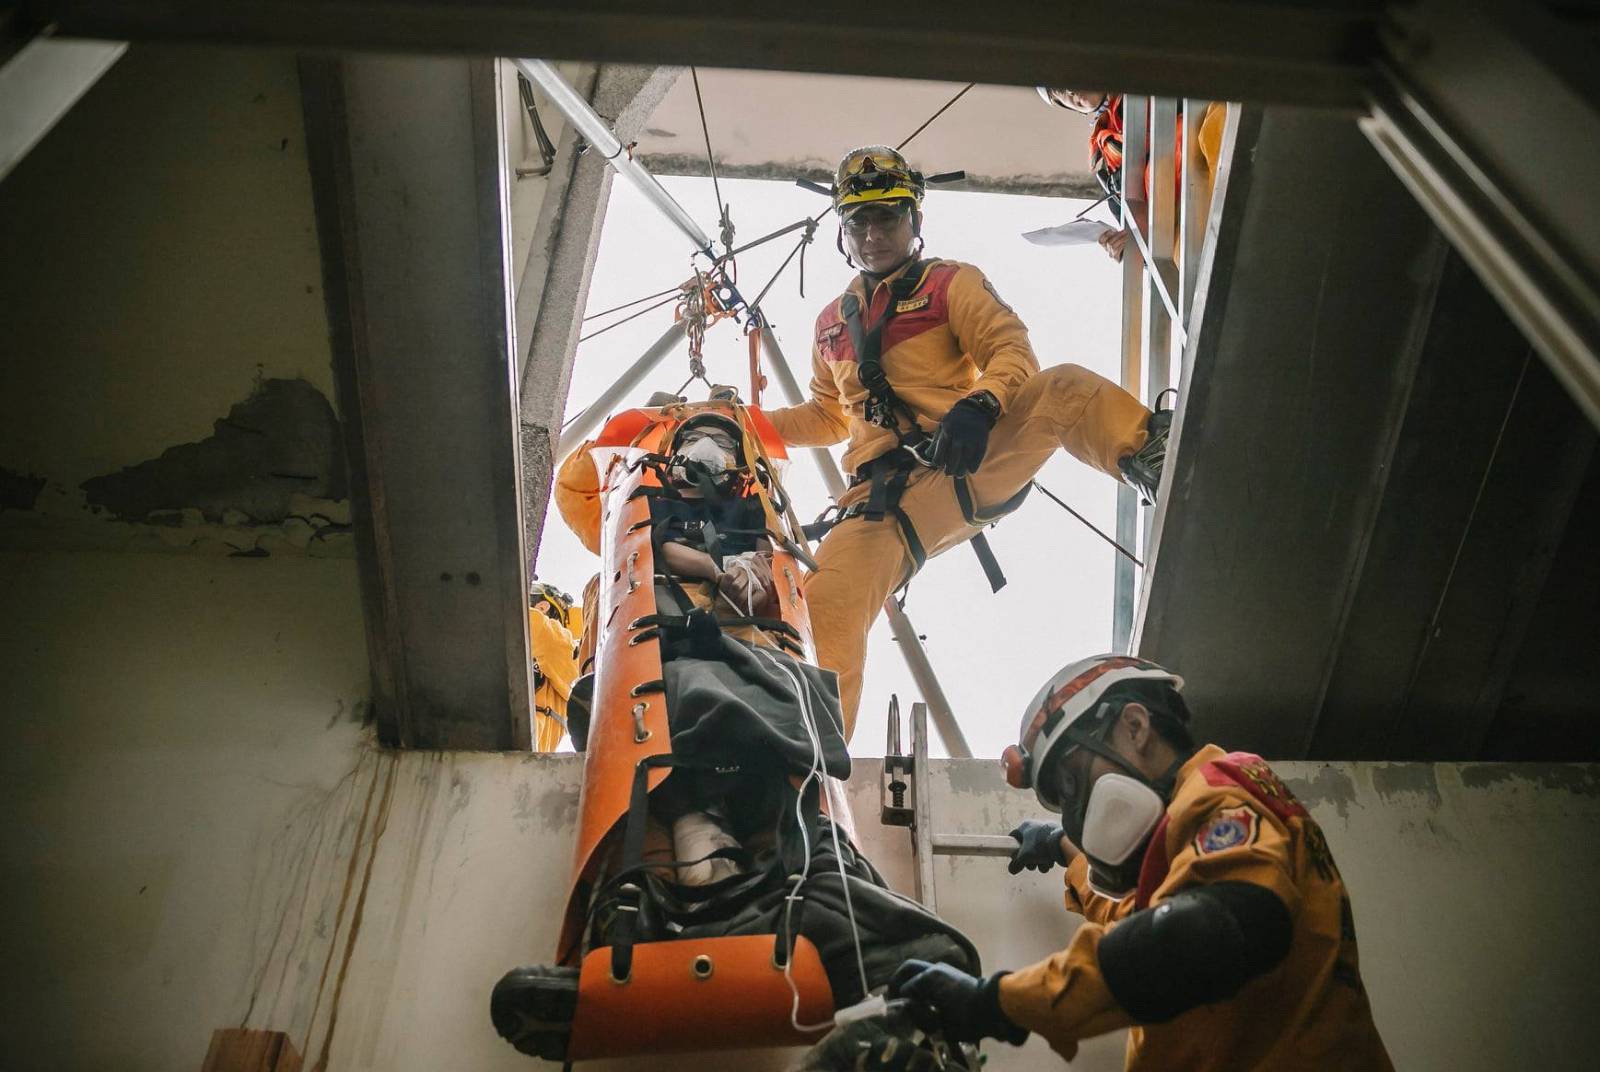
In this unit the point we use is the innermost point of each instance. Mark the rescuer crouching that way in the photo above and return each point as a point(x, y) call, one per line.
point(1216, 927)
point(931, 378)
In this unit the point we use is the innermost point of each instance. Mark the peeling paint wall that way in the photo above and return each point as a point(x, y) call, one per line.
point(194, 856)
point(162, 294)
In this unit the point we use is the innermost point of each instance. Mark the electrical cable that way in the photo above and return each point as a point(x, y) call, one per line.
point(816, 773)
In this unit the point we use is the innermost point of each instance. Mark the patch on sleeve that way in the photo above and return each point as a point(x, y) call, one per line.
point(1230, 828)
point(996, 295)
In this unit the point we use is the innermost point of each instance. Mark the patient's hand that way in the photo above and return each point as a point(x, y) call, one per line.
point(747, 580)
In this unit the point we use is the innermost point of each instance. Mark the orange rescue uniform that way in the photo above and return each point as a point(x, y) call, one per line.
point(1230, 820)
point(952, 337)
point(554, 652)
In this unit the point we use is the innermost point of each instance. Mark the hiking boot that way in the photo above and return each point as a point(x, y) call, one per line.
point(1142, 468)
point(532, 1008)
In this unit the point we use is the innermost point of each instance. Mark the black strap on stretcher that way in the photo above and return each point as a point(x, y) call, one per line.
point(792, 860)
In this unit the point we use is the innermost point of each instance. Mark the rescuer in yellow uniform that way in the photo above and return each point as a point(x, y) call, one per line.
point(554, 625)
point(931, 378)
point(1217, 926)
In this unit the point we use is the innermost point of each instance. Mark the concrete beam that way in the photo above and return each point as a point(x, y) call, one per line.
point(1313, 53)
point(1074, 184)
point(554, 284)
point(1294, 383)
point(409, 180)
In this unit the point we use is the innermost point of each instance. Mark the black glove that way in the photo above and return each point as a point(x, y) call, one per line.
point(962, 438)
point(1038, 846)
point(968, 1008)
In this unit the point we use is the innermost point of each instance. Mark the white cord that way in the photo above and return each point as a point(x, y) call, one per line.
point(816, 773)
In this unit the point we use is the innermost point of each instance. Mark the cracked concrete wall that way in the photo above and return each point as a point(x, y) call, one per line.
point(192, 860)
point(163, 303)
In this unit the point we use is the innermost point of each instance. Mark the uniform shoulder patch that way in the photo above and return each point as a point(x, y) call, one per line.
point(1230, 828)
point(995, 294)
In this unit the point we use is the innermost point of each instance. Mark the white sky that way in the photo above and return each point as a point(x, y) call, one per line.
point(991, 651)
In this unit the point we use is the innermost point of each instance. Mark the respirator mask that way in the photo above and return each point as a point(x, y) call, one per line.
point(702, 456)
point(1112, 827)
point(1112, 822)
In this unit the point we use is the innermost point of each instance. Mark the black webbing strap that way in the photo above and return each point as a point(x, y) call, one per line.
point(624, 930)
point(696, 632)
point(976, 517)
point(883, 405)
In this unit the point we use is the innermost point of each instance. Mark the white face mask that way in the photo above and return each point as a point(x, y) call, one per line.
point(709, 453)
point(1121, 814)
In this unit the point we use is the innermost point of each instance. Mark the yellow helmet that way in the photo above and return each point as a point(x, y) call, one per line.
point(874, 173)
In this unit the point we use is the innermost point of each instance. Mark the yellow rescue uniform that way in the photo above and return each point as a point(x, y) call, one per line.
point(951, 337)
point(555, 661)
point(1230, 820)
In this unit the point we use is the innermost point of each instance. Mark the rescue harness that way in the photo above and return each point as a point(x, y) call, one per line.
point(890, 473)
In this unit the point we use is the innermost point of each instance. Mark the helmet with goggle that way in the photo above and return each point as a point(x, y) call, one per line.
point(559, 603)
point(1069, 711)
point(875, 174)
point(709, 421)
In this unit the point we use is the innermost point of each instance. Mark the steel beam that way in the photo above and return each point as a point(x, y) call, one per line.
point(39, 83)
point(596, 412)
point(1314, 52)
point(1490, 114)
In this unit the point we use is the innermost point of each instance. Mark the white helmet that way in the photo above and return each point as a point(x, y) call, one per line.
point(1074, 695)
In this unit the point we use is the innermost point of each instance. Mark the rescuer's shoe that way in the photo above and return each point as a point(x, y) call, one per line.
point(532, 1009)
point(1142, 468)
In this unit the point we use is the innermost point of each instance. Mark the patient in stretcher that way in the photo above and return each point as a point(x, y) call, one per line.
point(738, 839)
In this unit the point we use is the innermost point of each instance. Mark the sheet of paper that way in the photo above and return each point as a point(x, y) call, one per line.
point(1076, 233)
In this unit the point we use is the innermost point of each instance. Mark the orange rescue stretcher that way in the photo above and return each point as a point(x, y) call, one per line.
point(690, 994)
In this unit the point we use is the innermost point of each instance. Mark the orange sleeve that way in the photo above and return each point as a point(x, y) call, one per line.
point(1088, 902)
point(819, 422)
point(578, 496)
point(589, 638)
point(554, 653)
point(1064, 998)
point(991, 332)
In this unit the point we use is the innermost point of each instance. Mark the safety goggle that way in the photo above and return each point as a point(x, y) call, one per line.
point(883, 215)
point(873, 171)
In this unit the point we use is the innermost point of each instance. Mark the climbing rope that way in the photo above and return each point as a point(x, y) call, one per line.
point(929, 121)
point(1092, 527)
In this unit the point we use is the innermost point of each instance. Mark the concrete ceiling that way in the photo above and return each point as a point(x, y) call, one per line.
point(776, 125)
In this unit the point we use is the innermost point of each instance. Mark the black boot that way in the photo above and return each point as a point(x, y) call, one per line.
point(532, 1009)
point(1142, 468)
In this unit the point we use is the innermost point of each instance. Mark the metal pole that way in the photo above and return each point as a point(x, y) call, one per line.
point(911, 649)
point(1124, 579)
point(599, 136)
point(598, 410)
point(922, 807)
